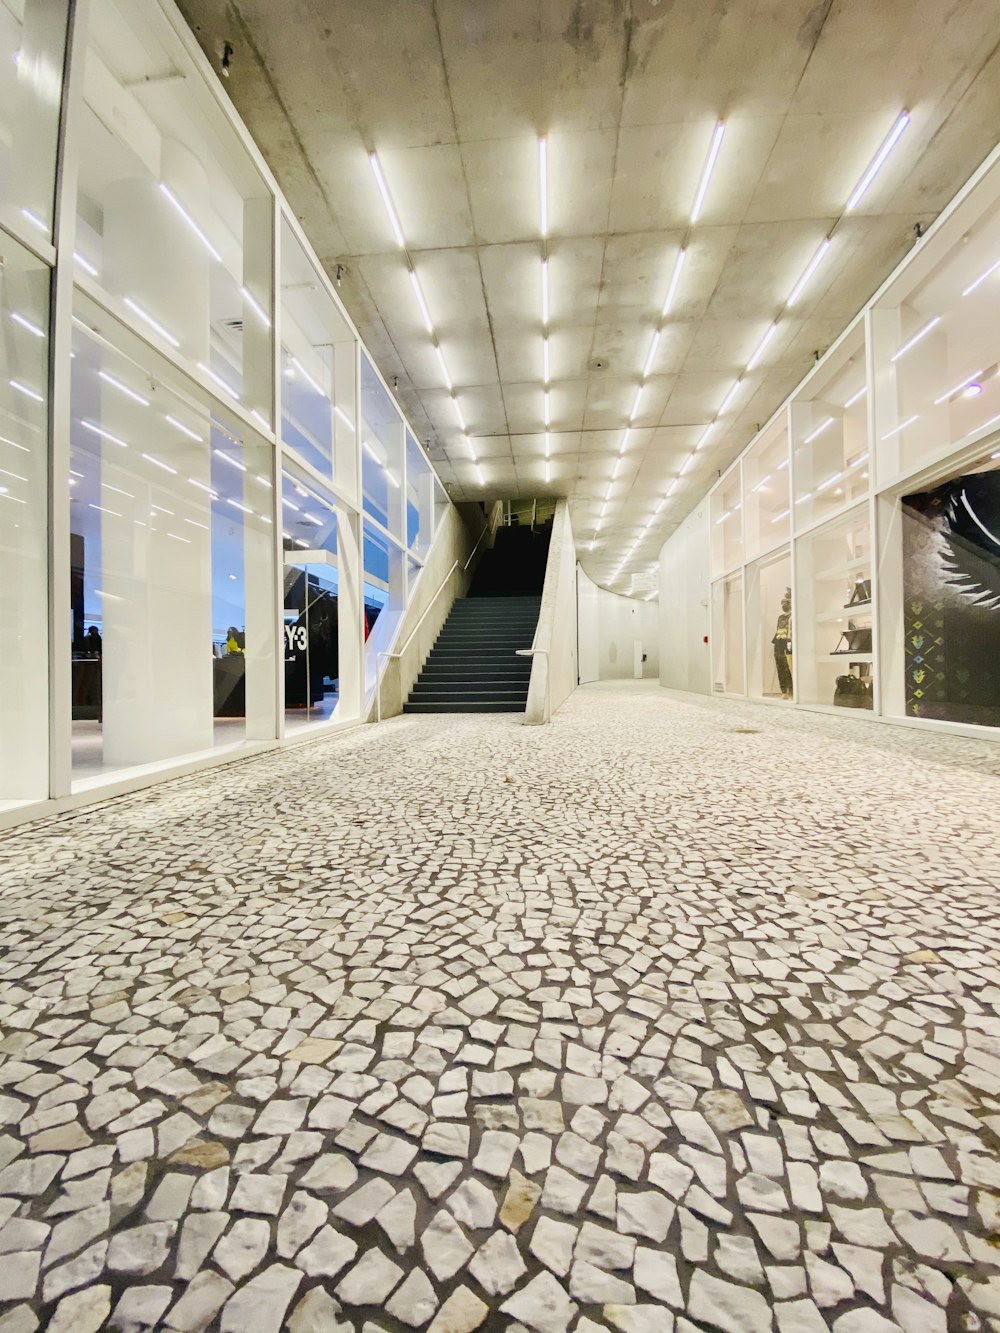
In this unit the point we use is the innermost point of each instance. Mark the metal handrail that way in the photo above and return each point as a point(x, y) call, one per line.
point(533, 652)
point(490, 526)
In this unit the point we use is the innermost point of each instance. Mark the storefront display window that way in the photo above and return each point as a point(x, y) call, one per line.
point(727, 523)
point(24, 488)
point(937, 348)
point(171, 563)
point(727, 635)
point(384, 596)
point(311, 601)
point(419, 498)
point(381, 453)
point(834, 614)
point(770, 660)
point(318, 371)
point(173, 220)
point(767, 517)
point(831, 465)
point(951, 597)
point(32, 52)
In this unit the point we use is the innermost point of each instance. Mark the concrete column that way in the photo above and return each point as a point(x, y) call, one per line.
point(350, 618)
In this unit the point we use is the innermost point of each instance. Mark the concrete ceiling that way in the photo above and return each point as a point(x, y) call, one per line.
point(453, 96)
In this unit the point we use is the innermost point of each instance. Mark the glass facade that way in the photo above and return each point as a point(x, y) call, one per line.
point(872, 500)
point(189, 581)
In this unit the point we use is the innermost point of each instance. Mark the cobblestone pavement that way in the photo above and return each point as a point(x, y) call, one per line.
point(674, 1015)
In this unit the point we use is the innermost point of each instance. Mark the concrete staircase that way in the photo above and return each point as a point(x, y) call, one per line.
point(473, 667)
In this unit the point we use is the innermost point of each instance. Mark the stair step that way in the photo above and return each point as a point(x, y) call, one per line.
point(463, 708)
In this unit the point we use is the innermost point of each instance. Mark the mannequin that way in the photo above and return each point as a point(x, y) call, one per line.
point(783, 645)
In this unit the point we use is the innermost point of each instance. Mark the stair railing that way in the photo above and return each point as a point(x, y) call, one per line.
point(490, 527)
point(535, 652)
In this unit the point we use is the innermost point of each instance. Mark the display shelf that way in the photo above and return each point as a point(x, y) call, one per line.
point(830, 435)
point(825, 584)
point(766, 502)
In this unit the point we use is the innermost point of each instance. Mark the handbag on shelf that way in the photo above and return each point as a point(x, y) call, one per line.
point(853, 692)
point(862, 593)
point(854, 640)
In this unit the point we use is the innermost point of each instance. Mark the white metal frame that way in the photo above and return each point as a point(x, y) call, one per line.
point(883, 493)
point(66, 280)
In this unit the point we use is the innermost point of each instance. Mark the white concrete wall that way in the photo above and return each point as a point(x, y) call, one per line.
point(685, 659)
point(608, 630)
point(556, 631)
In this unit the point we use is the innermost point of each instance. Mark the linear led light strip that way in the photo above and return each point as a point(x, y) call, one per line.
point(919, 336)
point(543, 228)
point(982, 277)
point(714, 148)
point(425, 314)
point(123, 388)
point(969, 380)
point(807, 274)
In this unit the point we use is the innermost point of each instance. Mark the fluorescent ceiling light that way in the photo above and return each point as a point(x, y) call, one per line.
point(444, 368)
point(762, 345)
point(192, 435)
point(104, 434)
point(823, 425)
point(877, 162)
point(969, 379)
point(256, 306)
point(635, 403)
point(153, 324)
point(458, 413)
point(545, 360)
point(310, 379)
point(624, 444)
point(704, 437)
point(650, 355)
point(35, 220)
point(28, 392)
point(548, 470)
point(545, 293)
point(123, 388)
point(810, 269)
point(545, 403)
point(218, 380)
point(543, 187)
point(673, 486)
point(166, 191)
point(706, 175)
point(101, 510)
point(982, 277)
point(685, 466)
point(548, 442)
point(27, 324)
point(733, 391)
point(479, 475)
point(165, 466)
point(85, 264)
point(202, 487)
point(856, 397)
point(675, 278)
point(917, 337)
point(902, 426)
point(390, 209)
point(220, 453)
point(415, 282)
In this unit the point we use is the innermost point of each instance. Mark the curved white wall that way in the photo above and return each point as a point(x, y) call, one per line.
point(685, 659)
point(610, 628)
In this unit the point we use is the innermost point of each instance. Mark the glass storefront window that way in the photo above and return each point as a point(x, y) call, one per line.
point(318, 368)
point(32, 53)
point(767, 516)
point(834, 613)
point(384, 596)
point(726, 508)
point(171, 562)
point(951, 597)
point(173, 220)
point(24, 486)
point(419, 498)
point(381, 453)
point(937, 347)
point(727, 635)
point(769, 628)
point(831, 465)
point(311, 602)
